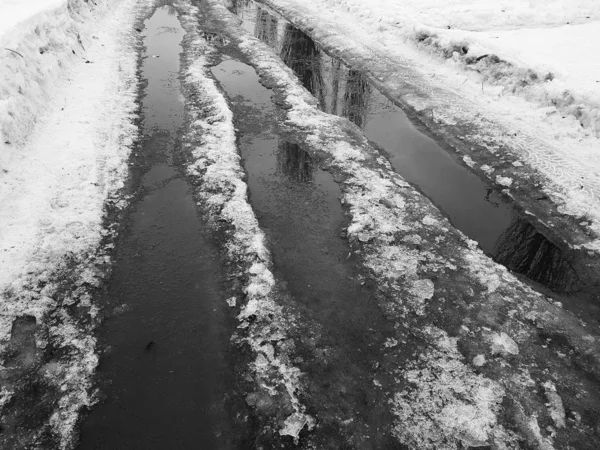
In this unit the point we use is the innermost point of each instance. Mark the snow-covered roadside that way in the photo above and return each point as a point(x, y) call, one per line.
point(215, 168)
point(540, 50)
point(67, 116)
point(547, 163)
point(477, 334)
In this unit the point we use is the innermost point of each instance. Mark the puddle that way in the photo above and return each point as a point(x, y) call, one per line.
point(297, 203)
point(298, 208)
point(165, 369)
point(471, 205)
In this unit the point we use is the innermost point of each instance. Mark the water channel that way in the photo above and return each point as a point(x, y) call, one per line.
point(470, 204)
point(165, 371)
point(166, 368)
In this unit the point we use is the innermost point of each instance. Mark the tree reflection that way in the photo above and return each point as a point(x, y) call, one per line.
point(336, 75)
point(235, 6)
point(295, 162)
point(356, 98)
point(301, 54)
point(265, 28)
point(522, 249)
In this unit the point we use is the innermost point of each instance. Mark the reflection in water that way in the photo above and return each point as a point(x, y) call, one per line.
point(471, 205)
point(266, 27)
point(302, 55)
point(336, 70)
point(356, 98)
point(237, 6)
point(522, 249)
point(295, 162)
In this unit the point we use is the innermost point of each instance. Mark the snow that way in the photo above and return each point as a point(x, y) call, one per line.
point(556, 38)
point(439, 400)
point(447, 400)
point(501, 343)
point(67, 128)
point(53, 185)
point(216, 167)
point(508, 108)
point(15, 13)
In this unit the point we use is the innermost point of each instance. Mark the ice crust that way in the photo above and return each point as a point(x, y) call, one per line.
point(447, 398)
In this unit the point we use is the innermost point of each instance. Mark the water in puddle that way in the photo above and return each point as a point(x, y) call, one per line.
point(470, 204)
point(298, 208)
point(296, 203)
point(165, 369)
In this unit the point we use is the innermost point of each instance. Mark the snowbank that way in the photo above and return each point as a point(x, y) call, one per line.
point(67, 109)
point(530, 151)
point(36, 51)
point(56, 176)
point(16, 13)
point(475, 15)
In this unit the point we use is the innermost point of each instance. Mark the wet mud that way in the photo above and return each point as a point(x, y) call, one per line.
point(165, 370)
point(475, 208)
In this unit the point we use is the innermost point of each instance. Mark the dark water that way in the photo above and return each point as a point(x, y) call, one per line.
point(165, 371)
point(298, 208)
point(470, 204)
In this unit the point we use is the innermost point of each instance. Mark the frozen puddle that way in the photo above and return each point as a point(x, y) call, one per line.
point(470, 204)
point(164, 371)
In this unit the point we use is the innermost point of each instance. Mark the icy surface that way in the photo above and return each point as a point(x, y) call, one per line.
point(448, 400)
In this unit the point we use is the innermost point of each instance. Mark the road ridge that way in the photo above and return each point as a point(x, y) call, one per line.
point(448, 299)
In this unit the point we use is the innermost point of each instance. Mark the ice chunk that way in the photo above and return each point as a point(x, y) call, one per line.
point(293, 425)
point(479, 360)
point(503, 344)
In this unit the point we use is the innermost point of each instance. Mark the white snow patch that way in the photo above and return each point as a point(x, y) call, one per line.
point(504, 181)
point(551, 125)
point(479, 360)
point(557, 409)
point(66, 130)
point(502, 343)
point(446, 402)
point(293, 425)
point(54, 183)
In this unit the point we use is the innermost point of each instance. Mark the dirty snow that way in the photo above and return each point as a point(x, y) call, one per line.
point(67, 111)
point(412, 281)
point(548, 125)
point(57, 175)
point(216, 165)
